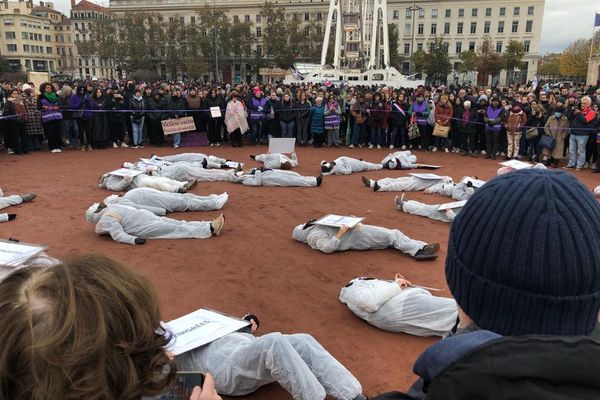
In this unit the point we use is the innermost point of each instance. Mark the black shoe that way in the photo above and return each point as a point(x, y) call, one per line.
point(319, 180)
point(204, 163)
point(429, 252)
point(252, 156)
point(12, 216)
point(375, 186)
point(596, 170)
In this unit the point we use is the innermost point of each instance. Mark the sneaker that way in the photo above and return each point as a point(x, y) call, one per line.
point(319, 180)
point(360, 146)
point(403, 147)
point(218, 224)
point(140, 146)
point(446, 150)
point(175, 146)
point(28, 197)
point(211, 145)
point(391, 147)
point(124, 145)
point(351, 146)
point(378, 147)
point(569, 167)
point(58, 150)
point(115, 146)
point(367, 182)
point(9, 151)
point(419, 147)
point(190, 185)
point(216, 145)
point(370, 146)
point(399, 201)
point(89, 147)
point(434, 149)
point(134, 147)
point(483, 153)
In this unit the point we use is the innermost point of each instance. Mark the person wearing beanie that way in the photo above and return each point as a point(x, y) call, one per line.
point(557, 127)
point(524, 268)
point(494, 119)
point(466, 125)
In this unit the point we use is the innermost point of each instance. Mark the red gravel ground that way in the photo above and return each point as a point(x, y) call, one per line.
point(255, 266)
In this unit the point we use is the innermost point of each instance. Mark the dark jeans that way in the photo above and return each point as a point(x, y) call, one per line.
point(214, 130)
point(492, 142)
point(84, 126)
point(52, 133)
point(319, 139)
point(469, 140)
point(16, 136)
point(117, 132)
point(302, 130)
point(155, 132)
point(255, 128)
point(358, 134)
point(236, 138)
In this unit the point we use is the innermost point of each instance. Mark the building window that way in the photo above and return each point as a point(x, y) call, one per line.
point(48, 38)
point(11, 47)
point(448, 13)
point(434, 13)
point(319, 16)
point(530, 10)
point(529, 26)
point(396, 14)
point(422, 13)
point(80, 62)
point(516, 10)
point(407, 29)
point(502, 11)
point(182, 20)
point(471, 46)
point(246, 18)
point(488, 12)
point(406, 48)
point(526, 45)
point(434, 29)
point(445, 46)
point(10, 35)
point(515, 27)
point(446, 28)
point(459, 28)
point(420, 29)
point(501, 27)
point(458, 47)
point(26, 48)
point(461, 12)
point(306, 16)
point(486, 27)
point(258, 18)
point(258, 32)
point(193, 19)
point(259, 50)
point(408, 14)
point(9, 22)
point(419, 46)
point(25, 35)
point(473, 12)
point(473, 27)
point(499, 46)
point(49, 50)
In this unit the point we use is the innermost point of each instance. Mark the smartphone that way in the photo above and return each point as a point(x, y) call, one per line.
point(185, 382)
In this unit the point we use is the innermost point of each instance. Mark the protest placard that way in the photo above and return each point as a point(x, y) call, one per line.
point(282, 145)
point(454, 204)
point(178, 125)
point(13, 253)
point(516, 164)
point(126, 172)
point(477, 183)
point(215, 112)
point(426, 176)
point(201, 327)
point(336, 221)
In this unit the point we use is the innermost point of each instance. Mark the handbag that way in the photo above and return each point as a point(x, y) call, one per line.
point(547, 142)
point(440, 130)
point(531, 133)
point(413, 131)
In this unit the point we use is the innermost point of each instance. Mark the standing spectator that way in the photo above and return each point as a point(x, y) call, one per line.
point(16, 115)
point(176, 108)
point(515, 120)
point(235, 120)
point(51, 116)
point(359, 113)
point(317, 122)
point(271, 117)
point(303, 114)
point(80, 101)
point(100, 134)
point(333, 121)
point(68, 126)
point(582, 121)
point(116, 119)
point(494, 118)
point(128, 93)
point(256, 108)
point(193, 103)
point(156, 106)
point(557, 127)
point(467, 126)
point(347, 120)
point(457, 112)
point(420, 108)
point(397, 120)
point(443, 116)
point(535, 124)
point(214, 123)
point(378, 111)
point(33, 125)
point(286, 113)
point(137, 106)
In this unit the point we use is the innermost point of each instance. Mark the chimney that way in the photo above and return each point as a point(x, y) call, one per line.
point(50, 5)
point(73, 3)
point(41, 4)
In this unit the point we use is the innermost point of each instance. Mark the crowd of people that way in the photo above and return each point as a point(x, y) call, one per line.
point(522, 122)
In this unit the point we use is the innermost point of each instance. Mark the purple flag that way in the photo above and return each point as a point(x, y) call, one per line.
point(597, 20)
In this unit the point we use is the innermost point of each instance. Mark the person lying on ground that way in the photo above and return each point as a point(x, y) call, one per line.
point(184, 171)
point(276, 177)
point(347, 166)
point(528, 290)
point(362, 237)
point(277, 160)
point(161, 203)
point(406, 184)
point(206, 161)
point(82, 329)
point(505, 170)
point(400, 160)
point(425, 210)
point(242, 363)
point(117, 183)
point(13, 200)
point(133, 226)
point(457, 191)
point(395, 306)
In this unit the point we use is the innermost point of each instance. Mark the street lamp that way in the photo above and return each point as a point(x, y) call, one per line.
point(412, 10)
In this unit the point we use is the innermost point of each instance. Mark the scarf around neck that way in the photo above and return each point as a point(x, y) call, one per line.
point(51, 97)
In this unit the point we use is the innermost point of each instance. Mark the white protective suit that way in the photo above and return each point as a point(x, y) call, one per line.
point(241, 363)
point(8, 201)
point(411, 184)
point(274, 161)
point(185, 171)
point(119, 183)
point(348, 165)
point(211, 161)
point(124, 224)
point(391, 308)
point(275, 177)
point(597, 191)
point(361, 237)
point(459, 191)
point(430, 211)
point(399, 160)
point(161, 203)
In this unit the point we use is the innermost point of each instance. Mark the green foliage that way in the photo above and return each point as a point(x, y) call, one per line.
point(574, 59)
point(488, 61)
point(393, 36)
point(435, 62)
point(549, 66)
point(468, 61)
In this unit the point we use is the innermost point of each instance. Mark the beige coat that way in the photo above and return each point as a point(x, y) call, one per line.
point(559, 130)
point(235, 117)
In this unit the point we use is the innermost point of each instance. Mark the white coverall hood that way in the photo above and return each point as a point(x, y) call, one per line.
point(91, 215)
point(393, 163)
point(300, 234)
point(112, 199)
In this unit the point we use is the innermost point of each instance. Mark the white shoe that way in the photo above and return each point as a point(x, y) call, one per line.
point(379, 147)
point(9, 151)
point(446, 150)
point(351, 146)
point(58, 150)
point(483, 153)
point(115, 145)
point(370, 146)
point(403, 147)
point(176, 146)
point(217, 145)
point(124, 145)
point(391, 147)
point(434, 149)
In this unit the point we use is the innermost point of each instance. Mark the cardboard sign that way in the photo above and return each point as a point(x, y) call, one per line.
point(126, 172)
point(336, 221)
point(477, 183)
point(516, 164)
point(454, 204)
point(215, 112)
point(178, 125)
point(282, 145)
point(427, 176)
point(199, 328)
point(13, 253)
point(427, 166)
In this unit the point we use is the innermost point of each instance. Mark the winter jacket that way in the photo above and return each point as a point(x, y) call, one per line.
point(582, 123)
point(303, 110)
point(117, 105)
point(284, 111)
point(317, 120)
point(50, 110)
point(138, 107)
point(176, 105)
point(378, 114)
point(515, 121)
point(421, 111)
point(154, 104)
point(443, 114)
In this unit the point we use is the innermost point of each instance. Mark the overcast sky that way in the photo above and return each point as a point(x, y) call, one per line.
point(564, 21)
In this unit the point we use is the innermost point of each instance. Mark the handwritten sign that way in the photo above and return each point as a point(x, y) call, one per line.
point(126, 172)
point(336, 221)
point(178, 125)
point(450, 206)
point(13, 254)
point(282, 145)
point(215, 112)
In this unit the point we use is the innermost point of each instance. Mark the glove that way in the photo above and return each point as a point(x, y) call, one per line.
point(140, 241)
